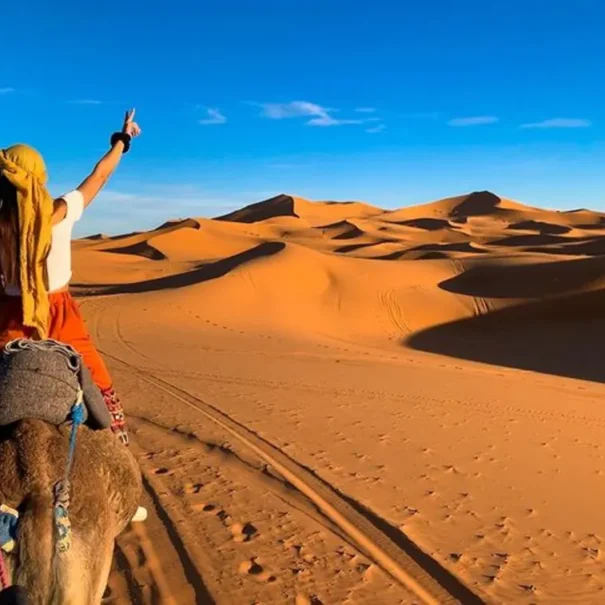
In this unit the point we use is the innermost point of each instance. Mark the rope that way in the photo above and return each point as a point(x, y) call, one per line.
point(62, 487)
point(77, 418)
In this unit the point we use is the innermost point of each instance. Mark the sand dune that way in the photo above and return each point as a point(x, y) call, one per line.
point(320, 256)
point(286, 205)
point(429, 376)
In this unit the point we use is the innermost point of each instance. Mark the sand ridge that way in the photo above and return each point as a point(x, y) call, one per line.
point(320, 255)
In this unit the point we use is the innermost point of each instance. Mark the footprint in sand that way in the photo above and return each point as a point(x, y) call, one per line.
point(196, 498)
point(192, 489)
point(254, 568)
point(243, 533)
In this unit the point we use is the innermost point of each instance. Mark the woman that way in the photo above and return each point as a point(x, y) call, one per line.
point(35, 256)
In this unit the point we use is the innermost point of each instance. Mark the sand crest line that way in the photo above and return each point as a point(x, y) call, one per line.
point(429, 590)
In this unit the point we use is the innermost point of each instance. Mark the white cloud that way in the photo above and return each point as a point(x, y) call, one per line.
point(295, 109)
point(86, 102)
point(6, 91)
point(473, 121)
point(214, 117)
point(376, 129)
point(319, 116)
point(560, 123)
point(328, 120)
point(365, 109)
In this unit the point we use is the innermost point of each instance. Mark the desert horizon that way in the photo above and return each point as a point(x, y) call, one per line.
point(267, 201)
point(330, 401)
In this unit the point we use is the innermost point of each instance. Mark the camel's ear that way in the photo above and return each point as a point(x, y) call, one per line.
point(14, 595)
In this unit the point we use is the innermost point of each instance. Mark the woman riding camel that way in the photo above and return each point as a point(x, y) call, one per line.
point(35, 256)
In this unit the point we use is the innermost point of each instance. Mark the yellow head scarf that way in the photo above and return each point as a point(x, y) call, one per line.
point(24, 167)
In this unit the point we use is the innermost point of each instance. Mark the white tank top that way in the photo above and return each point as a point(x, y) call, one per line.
point(58, 262)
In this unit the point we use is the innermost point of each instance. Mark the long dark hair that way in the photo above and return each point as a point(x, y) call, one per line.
point(9, 232)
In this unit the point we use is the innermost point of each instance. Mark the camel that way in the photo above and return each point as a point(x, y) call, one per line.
point(106, 488)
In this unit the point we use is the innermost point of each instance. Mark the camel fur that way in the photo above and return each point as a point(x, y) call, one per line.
point(105, 490)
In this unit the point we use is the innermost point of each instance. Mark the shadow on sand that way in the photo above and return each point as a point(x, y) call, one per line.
point(539, 280)
point(203, 273)
point(563, 336)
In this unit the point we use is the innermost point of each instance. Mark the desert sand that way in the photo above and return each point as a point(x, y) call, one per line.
point(335, 403)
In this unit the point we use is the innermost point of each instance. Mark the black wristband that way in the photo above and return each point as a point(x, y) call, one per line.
point(121, 136)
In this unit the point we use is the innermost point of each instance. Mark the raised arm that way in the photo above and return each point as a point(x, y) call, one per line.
point(96, 180)
point(93, 183)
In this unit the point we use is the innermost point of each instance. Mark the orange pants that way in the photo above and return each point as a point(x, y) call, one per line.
point(66, 326)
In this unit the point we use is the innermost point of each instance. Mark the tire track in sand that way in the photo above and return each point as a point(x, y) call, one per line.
point(142, 554)
point(387, 546)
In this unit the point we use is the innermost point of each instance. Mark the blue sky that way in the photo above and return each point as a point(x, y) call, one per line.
point(390, 102)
